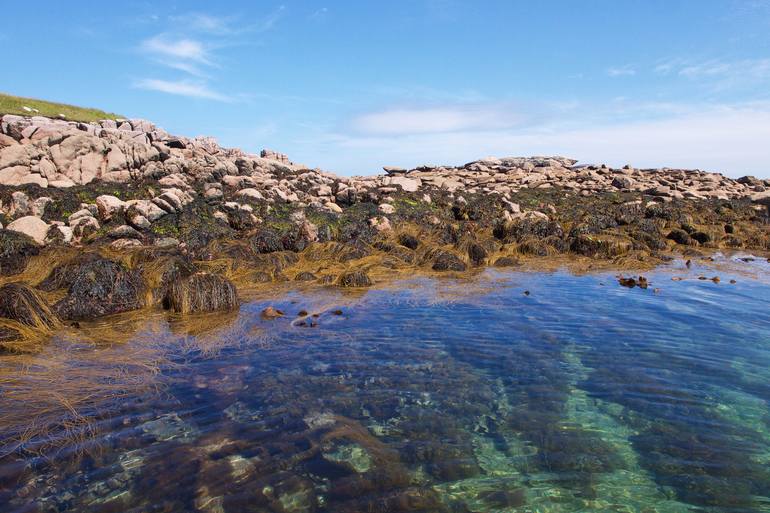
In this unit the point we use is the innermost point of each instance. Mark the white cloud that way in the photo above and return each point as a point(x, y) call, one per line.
point(729, 139)
point(622, 71)
point(163, 46)
point(182, 88)
point(403, 121)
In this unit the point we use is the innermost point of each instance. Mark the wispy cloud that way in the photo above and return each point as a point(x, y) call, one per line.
point(402, 121)
point(165, 46)
point(622, 71)
point(205, 23)
point(185, 88)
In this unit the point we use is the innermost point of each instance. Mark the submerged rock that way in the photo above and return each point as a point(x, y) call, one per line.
point(271, 313)
point(15, 250)
point(95, 287)
point(201, 292)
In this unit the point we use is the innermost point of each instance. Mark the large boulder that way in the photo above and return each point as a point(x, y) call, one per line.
point(95, 287)
point(31, 226)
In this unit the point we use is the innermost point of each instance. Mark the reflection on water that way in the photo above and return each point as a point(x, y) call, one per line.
point(431, 396)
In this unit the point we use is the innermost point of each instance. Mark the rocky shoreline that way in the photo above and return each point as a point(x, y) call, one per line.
point(110, 217)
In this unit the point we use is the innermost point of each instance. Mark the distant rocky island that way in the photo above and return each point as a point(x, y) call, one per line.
point(106, 217)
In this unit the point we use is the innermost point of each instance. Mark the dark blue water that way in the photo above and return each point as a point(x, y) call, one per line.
point(508, 392)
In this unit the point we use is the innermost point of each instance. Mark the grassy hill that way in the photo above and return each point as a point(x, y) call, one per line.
point(15, 105)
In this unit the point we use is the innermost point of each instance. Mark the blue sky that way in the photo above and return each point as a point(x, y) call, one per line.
point(352, 86)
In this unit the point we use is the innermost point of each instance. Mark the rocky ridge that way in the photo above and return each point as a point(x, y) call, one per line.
point(52, 153)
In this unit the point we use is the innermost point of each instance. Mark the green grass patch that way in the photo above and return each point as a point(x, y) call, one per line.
point(15, 105)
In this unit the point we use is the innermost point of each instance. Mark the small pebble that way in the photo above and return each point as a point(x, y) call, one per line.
point(302, 313)
point(526, 293)
point(733, 282)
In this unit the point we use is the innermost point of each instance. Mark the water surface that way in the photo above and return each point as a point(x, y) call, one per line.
point(508, 392)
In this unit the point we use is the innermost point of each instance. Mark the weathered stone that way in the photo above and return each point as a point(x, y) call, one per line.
point(31, 226)
point(109, 206)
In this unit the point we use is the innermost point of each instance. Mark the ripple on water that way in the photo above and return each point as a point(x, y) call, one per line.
point(433, 395)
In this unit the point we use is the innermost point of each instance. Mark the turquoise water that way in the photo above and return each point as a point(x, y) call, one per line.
point(509, 392)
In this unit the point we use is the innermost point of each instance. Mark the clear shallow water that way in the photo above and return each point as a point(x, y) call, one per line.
point(441, 395)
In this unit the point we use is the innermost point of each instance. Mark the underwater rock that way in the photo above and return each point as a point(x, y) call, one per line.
point(15, 251)
point(503, 499)
point(640, 282)
point(95, 287)
point(271, 313)
point(354, 278)
point(349, 455)
point(201, 292)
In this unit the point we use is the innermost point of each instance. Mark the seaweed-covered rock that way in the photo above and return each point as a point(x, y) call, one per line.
point(22, 303)
point(201, 292)
point(701, 237)
point(526, 227)
point(477, 253)
point(21, 307)
point(506, 262)
point(604, 245)
point(95, 287)
point(160, 272)
point(679, 236)
point(409, 241)
point(446, 261)
point(266, 241)
point(15, 250)
point(354, 278)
